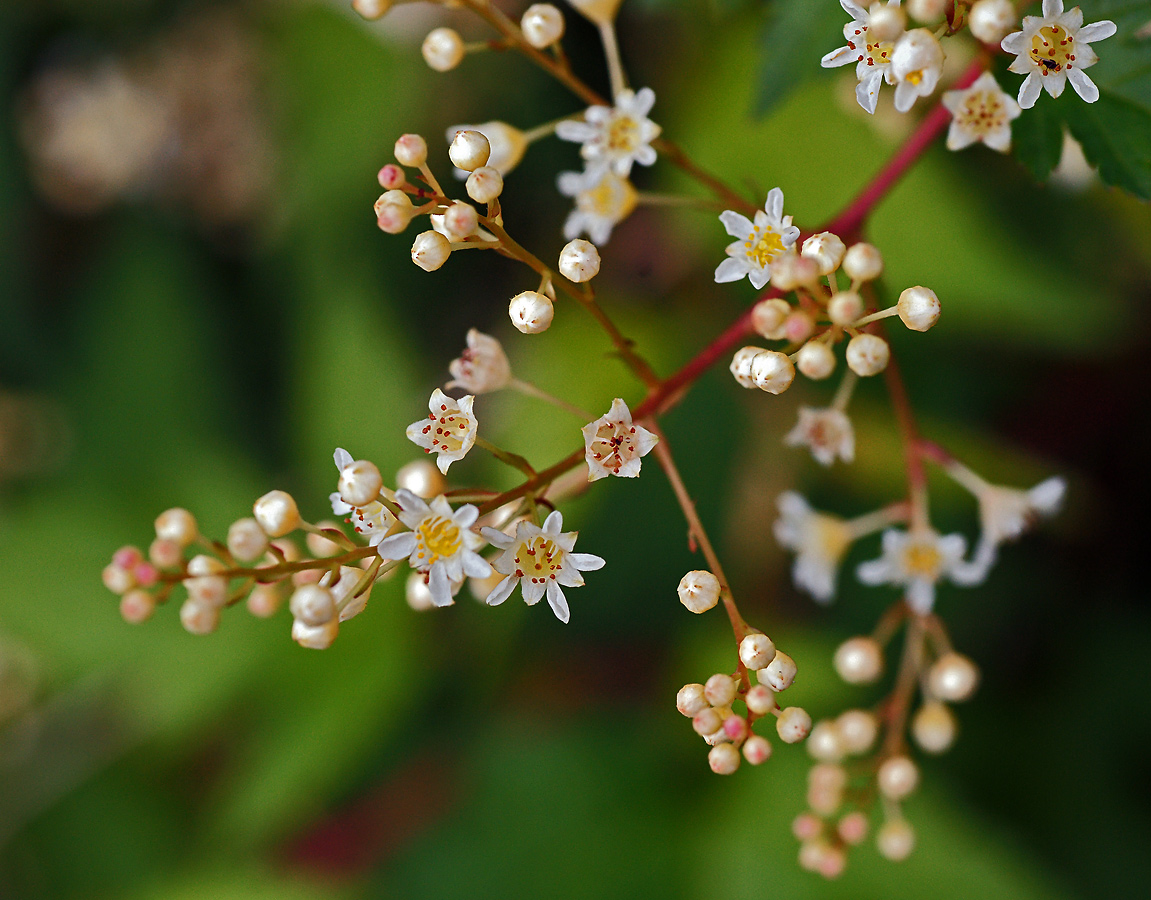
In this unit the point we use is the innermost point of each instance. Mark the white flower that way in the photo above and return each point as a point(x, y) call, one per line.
point(872, 58)
point(539, 560)
point(827, 433)
point(982, 112)
point(616, 135)
point(449, 430)
point(613, 445)
point(1006, 513)
point(372, 520)
point(602, 199)
point(917, 559)
point(819, 542)
point(759, 242)
point(1052, 49)
point(483, 367)
point(440, 544)
point(916, 64)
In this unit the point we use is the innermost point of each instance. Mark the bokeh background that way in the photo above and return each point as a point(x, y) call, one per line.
point(196, 307)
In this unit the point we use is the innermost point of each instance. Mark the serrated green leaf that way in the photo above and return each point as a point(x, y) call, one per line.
point(796, 35)
point(1116, 138)
point(1037, 138)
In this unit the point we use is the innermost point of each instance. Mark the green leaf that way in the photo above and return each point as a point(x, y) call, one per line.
point(1037, 138)
point(1116, 137)
point(797, 34)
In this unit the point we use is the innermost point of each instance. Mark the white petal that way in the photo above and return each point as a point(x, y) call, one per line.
point(841, 57)
point(475, 566)
point(1083, 85)
point(921, 595)
point(558, 602)
point(1047, 496)
point(759, 277)
point(774, 204)
point(1096, 31)
point(857, 12)
point(642, 103)
point(586, 562)
point(1052, 8)
point(554, 523)
point(398, 546)
point(905, 96)
point(572, 130)
point(440, 585)
point(502, 591)
point(1000, 139)
point(730, 270)
point(737, 226)
point(497, 538)
point(465, 516)
point(645, 155)
point(876, 571)
point(1014, 43)
point(1055, 84)
point(867, 91)
point(1029, 92)
point(532, 591)
point(343, 458)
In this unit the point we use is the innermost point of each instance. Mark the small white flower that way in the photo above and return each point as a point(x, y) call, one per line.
point(540, 561)
point(1006, 513)
point(818, 540)
point(482, 367)
point(827, 433)
point(613, 445)
point(759, 242)
point(616, 135)
point(982, 112)
point(602, 201)
point(1053, 49)
point(916, 64)
point(917, 559)
point(440, 544)
point(872, 58)
point(372, 520)
point(449, 430)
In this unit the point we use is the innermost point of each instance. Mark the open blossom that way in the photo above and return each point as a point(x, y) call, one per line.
point(616, 136)
point(916, 64)
point(373, 520)
point(981, 112)
point(818, 540)
point(872, 57)
point(602, 200)
point(827, 433)
point(482, 367)
point(1053, 49)
point(918, 559)
point(1005, 513)
point(540, 561)
point(440, 544)
point(758, 243)
point(613, 445)
point(449, 430)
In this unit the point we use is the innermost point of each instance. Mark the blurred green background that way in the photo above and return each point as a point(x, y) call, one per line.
point(196, 307)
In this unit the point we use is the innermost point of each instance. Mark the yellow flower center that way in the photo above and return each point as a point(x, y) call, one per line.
point(922, 560)
point(623, 134)
point(1052, 49)
point(762, 251)
point(914, 77)
point(447, 429)
point(439, 536)
point(538, 559)
point(879, 54)
point(982, 112)
point(613, 198)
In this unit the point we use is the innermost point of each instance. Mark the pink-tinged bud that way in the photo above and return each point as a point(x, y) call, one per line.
point(806, 827)
point(146, 574)
point(735, 727)
point(798, 326)
point(392, 177)
point(756, 750)
point(165, 554)
point(127, 557)
point(137, 607)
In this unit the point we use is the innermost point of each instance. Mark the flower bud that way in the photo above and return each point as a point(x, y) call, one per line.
point(793, 725)
point(360, 483)
point(394, 211)
point(277, 513)
point(798, 326)
point(863, 262)
point(461, 220)
point(315, 637)
point(411, 150)
point(579, 261)
point(431, 250)
point(177, 525)
point(897, 777)
point(895, 840)
point(740, 366)
point(117, 579)
point(699, 591)
point(780, 673)
point(806, 827)
point(825, 742)
point(137, 607)
point(207, 587)
point(767, 317)
point(867, 354)
point(199, 618)
point(485, 184)
point(322, 547)
point(482, 367)
point(690, 700)
point(858, 730)
point(918, 308)
point(707, 721)
point(165, 553)
point(791, 271)
point(443, 49)
point(723, 759)
point(417, 593)
point(926, 11)
point(469, 150)
point(735, 728)
point(531, 312)
point(844, 307)
point(816, 360)
point(246, 540)
point(372, 9)
point(391, 177)
point(542, 25)
point(859, 660)
point(852, 828)
point(265, 600)
point(756, 651)
point(760, 699)
point(772, 372)
point(507, 144)
point(719, 689)
point(934, 727)
point(992, 20)
point(422, 478)
point(825, 248)
point(953, 677)
point(313, 605)
point(886, 23)
point(756, 750)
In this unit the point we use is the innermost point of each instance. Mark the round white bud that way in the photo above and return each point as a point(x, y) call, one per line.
point(431, 250)
point(699, 590)
point(461, 220)
point(863, 262)
point(277, 513)
point(719, 689)
point(953, 677)
point(859, 660)
point(443, 49)
point(772, 372)
point(756, 651)
point(740, 366)
point(394, 211)
point(484, 184)
point(579, 261)
point(827, 777)
point(793, 724)
point(798, 326)
point(531, 312)
point(372, 9)
point(867, 354)
point(858, 730)
point(918, 308)
point(926, 11)
point(760, 699)
point(246, 540)
point(690, 700)
point(469, 150)
point(723, 759)
point(391, 177)
point(707, 722)
point(411, 150)
point(137, 607)
point(177, 525)
point(206, 587)
point(313, 605)
point(844, 307)
point(992, 20)
point(779, 674)
point(199, 618)
point(852, 828)
point(165, 554)
point(791, 271)
point(895, 840)
point(886, 23)
point(756, 750)
point(117, 579)
point(315, 637)
point(825, 248)
point(417, 593)
point(542, 25)
point(816, 360)
point(767, 318)
point(422, 478)
point(934, 727)
point(360, 483)
point(265, 600)
point(825, 742)
point(897, 777)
